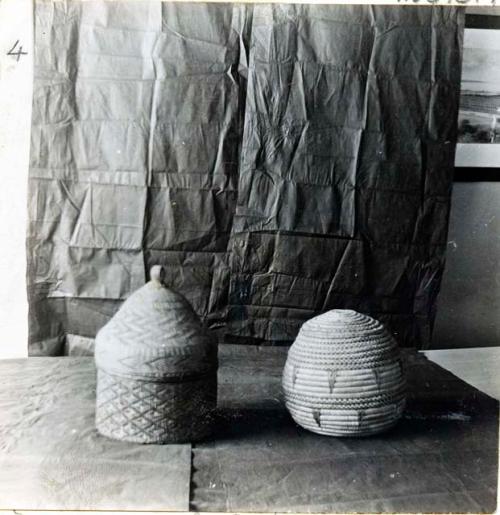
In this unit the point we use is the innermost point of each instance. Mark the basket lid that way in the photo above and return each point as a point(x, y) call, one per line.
point(155, 335)
point(343, 339)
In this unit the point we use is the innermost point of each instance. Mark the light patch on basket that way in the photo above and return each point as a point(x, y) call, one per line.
point(332, 376)
point(294, 375)
point(361, 418)
point(376, 374)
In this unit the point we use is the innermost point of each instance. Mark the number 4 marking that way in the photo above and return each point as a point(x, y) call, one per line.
point(19, 53)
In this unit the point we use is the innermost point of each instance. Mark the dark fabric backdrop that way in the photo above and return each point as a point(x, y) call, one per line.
point(279, 160)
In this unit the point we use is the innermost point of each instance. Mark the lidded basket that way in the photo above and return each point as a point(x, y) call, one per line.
point(156, 369)
point(344, 376)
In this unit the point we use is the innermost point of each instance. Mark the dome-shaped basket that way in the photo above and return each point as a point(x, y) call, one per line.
point(156, 370)
point(344, 376)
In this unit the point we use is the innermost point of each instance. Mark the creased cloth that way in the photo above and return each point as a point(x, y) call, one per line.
point(279, 160)
point(52, 458)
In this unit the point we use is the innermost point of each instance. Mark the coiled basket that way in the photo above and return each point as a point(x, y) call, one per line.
point(344, 376)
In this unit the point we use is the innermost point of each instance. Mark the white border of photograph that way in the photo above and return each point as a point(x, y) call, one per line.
point(16, 85)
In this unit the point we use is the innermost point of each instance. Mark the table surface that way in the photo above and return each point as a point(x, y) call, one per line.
point(441, 457)
point(51, 457)
point(479, 367)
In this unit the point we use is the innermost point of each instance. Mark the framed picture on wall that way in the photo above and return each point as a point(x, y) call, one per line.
point(479, 114)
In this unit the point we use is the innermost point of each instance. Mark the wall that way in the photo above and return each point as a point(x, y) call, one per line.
point(469, 304)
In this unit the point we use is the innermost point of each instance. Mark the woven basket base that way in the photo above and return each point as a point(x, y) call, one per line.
point(154, 412)
point(347, 422)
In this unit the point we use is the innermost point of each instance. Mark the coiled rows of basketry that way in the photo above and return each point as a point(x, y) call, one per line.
point(344, 376)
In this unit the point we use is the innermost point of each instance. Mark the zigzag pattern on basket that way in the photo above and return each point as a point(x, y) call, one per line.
point(175, 323)
point(166, 343)
point(135, 411)
point(344, 376)
point(157, 369)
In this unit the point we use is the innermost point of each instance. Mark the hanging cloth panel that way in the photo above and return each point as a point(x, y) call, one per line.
point(137, 118)
point(279, 160)
point(346, 170)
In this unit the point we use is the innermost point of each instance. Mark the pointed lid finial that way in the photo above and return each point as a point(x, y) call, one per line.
point(157, 274)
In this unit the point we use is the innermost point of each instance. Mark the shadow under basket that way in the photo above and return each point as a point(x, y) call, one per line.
point(145, 411)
